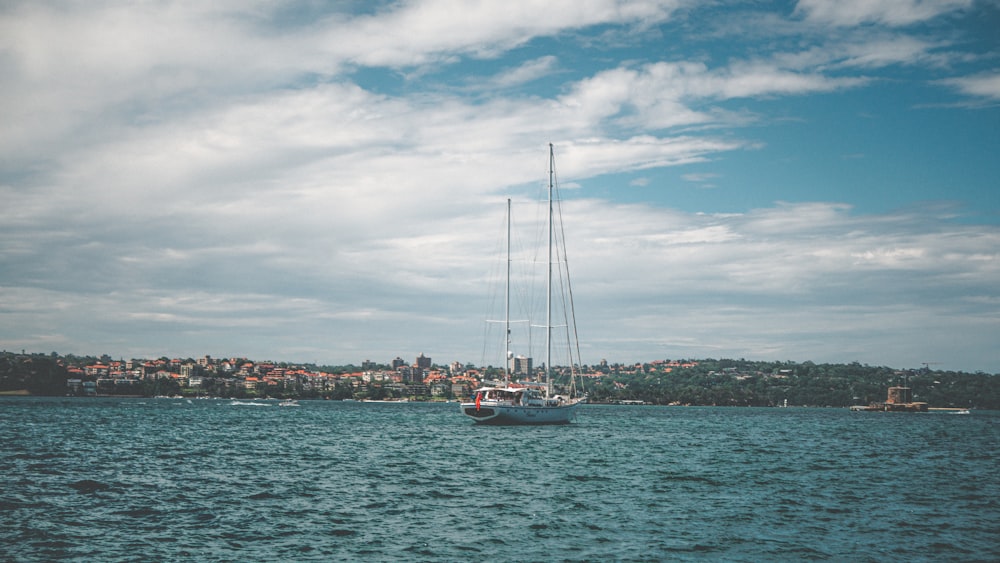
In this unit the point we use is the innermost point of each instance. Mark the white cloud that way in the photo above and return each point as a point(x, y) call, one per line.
point(877, 53)
point(182, 176)
point(764, 278)
point(771, 283)
point(422, 32)
point(527, 72)
point(986, 85)
point(655, 95)
point(71, 72)
point(885, 12)
point(700, 177)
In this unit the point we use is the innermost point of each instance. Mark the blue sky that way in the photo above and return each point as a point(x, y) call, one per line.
point(303, 181)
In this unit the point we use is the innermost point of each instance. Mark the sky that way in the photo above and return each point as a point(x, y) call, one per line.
point(324, 182)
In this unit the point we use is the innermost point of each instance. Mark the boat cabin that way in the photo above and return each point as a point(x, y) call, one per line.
point(514, 396)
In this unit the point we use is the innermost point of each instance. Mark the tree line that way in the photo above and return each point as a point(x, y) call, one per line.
point(728, 382)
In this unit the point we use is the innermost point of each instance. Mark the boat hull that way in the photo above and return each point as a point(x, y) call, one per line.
point(515, 415)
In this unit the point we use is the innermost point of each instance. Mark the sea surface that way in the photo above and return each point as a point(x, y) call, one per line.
point(104, 479)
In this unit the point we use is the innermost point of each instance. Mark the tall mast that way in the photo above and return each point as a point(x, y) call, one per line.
point(506, 316)
point(548, 295)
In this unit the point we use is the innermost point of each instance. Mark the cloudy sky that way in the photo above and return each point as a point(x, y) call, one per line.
point(324, 181)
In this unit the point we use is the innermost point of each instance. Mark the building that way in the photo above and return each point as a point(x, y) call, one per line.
point(405, 373)
point(521, 366)
point(423, 362)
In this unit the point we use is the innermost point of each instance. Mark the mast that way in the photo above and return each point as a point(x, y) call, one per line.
point(548, 295)
point(506, 315)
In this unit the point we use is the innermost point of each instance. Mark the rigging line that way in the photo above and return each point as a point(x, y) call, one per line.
point(569, 288)
point(566, 304)
point(521, 283)
point(493, 293)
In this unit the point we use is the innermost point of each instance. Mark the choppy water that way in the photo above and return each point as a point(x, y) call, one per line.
point(206, 480)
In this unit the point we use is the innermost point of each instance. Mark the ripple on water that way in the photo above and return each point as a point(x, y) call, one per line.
point(207, 481)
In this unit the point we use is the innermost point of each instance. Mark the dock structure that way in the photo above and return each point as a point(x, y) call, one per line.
point(898, 399)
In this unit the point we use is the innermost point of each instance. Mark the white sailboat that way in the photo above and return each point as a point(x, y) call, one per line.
point(529, 403)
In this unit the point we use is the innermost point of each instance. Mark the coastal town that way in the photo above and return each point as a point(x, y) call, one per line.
point(244, 377)
point(718, 382)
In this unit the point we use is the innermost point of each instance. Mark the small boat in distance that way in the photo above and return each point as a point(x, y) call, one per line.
point(510, 403)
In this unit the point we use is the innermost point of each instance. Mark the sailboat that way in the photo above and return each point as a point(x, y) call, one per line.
point(510, 402)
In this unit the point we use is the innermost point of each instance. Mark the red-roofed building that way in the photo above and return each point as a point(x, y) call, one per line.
point(97, 370)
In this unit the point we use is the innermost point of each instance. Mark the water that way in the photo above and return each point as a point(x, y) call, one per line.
point(206, 480)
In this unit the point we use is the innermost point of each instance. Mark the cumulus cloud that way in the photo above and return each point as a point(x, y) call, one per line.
point(176, 176)
point(804, 267)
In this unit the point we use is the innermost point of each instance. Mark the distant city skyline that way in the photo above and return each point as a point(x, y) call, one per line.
point(324, 182)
